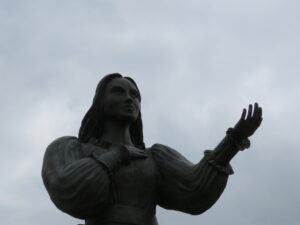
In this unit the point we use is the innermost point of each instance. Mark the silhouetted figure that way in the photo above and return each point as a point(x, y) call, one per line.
point(107, 176)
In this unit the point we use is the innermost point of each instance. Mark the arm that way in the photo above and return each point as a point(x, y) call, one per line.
point(77, 185)
point(184, 186)
point(195, 188)
point(78, 176)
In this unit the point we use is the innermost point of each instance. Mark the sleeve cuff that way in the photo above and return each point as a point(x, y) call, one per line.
point(209, 156)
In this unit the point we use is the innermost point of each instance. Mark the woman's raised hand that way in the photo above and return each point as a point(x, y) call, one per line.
point(248, 122)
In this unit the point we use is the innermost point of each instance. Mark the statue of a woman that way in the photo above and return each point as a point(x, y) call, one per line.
point(107, 176)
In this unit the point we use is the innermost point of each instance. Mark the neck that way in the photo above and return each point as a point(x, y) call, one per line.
point(116, 132)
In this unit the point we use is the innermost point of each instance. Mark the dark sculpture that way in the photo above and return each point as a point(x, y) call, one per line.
point(107, 176)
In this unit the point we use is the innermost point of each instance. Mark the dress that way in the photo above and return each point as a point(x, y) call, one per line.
point(79, 181)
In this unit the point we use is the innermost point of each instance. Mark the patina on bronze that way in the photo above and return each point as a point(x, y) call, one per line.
point(107, 176)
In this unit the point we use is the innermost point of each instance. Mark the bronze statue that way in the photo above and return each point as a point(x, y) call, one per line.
point(107, 176)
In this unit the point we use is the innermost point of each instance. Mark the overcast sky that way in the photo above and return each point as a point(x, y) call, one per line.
point(197, 64)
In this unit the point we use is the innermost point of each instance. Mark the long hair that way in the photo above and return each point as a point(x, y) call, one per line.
point(92, 123)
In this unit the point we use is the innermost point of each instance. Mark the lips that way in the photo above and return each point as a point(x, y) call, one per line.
point(130, 107)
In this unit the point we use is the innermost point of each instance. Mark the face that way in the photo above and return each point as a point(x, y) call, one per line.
point(121, 100)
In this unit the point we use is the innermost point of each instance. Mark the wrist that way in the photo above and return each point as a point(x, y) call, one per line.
point(229, 147)
point(240, 142)
point(212, 159)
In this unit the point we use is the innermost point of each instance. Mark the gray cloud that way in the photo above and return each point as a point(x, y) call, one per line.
point(197, 65)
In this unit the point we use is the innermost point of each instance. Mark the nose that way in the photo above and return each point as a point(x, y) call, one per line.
point(128, 98)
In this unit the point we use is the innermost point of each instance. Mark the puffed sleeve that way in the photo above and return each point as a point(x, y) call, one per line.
point(77, 184)
point(187, 187)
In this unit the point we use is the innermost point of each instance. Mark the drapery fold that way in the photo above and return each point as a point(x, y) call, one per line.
point(184, 186)
point(78, 185)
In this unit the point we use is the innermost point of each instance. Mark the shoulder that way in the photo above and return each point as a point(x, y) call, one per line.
point(62, 150)
point(62, 143)
point(164, 152)
point(160, 148)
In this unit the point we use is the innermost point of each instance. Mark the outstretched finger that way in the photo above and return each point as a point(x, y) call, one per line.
point(255, 112)
point(258, 117)
point(255, 106)
point(249, 112)
point(243, 114)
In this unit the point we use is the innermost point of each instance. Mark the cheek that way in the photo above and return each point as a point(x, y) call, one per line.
point(138, 108)
point(138, 104)
point(110, 108)
point(110, 103)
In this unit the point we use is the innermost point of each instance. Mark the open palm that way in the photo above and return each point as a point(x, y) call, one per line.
point(248, 123)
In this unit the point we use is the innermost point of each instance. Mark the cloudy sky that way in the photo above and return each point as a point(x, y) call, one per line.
point(197, 64)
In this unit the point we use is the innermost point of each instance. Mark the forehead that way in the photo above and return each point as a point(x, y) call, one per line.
point(121, 82)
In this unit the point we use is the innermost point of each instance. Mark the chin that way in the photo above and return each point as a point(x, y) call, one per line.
point(127, 118)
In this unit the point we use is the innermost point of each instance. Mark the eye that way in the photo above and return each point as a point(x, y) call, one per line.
point(134, 94)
